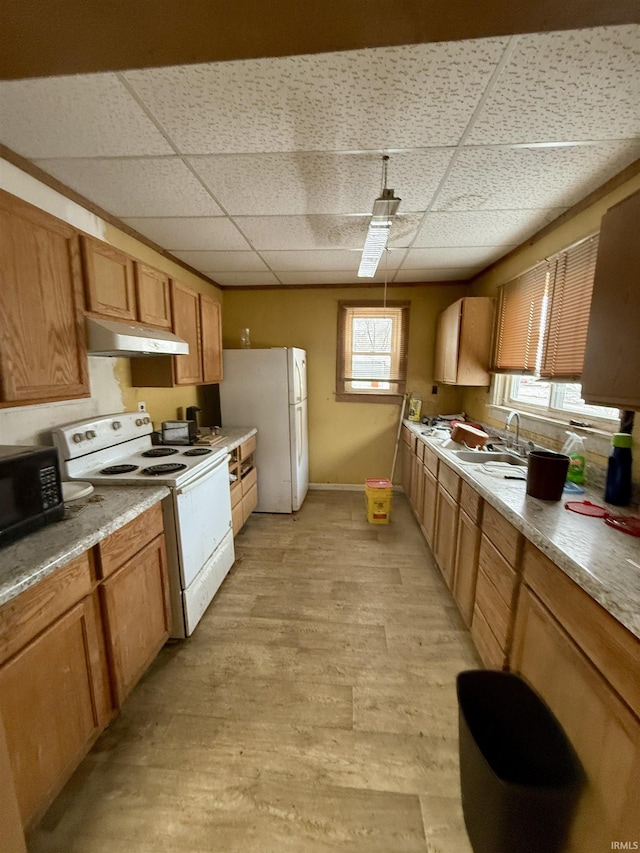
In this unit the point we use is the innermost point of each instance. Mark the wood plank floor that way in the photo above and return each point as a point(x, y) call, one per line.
point(313, 710)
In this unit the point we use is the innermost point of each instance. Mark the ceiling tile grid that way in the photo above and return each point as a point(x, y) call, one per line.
point(263, 172)
point(580, 85)
point(80, 116)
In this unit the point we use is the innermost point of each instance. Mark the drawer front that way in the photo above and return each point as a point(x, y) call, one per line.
point(248, 447)
point(504, 535)
point(116, 549)
point(498, 570)
point(494, 609)
point(430, 460)
point(29, 613)
point(420, 450)
point(249, 480)
point(450, 481)
point(470, 502)
point(249, 503)
point(237, 519)
point(488, 647)
point(612, 649)
point(236, 492)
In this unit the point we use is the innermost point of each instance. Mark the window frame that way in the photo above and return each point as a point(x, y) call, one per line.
point(344, 395)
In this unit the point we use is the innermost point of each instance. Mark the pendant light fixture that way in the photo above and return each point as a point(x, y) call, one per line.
point(384, 209)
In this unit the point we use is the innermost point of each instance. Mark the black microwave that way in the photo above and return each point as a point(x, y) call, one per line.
point(30, 490)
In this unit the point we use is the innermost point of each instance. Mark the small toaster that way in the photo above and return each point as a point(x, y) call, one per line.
point(179, 432)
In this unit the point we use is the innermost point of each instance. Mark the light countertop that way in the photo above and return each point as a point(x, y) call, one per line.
point(604, 562)
point(86, 522)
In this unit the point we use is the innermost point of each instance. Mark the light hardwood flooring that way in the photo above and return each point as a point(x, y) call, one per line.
point(313, 710)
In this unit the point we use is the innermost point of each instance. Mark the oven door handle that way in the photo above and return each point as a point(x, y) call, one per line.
point(192, 484)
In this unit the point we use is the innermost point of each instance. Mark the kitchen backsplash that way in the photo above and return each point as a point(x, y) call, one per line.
point(33, 424)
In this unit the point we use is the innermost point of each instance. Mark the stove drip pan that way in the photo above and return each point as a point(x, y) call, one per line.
point(165, 468)
point(119, 469)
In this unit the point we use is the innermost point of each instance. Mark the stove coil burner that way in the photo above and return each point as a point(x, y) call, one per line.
point(165, 468)
point(198, 451)
point(119, 469)
point(160, 451)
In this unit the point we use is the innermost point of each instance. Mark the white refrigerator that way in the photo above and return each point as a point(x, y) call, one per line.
point(267, 388)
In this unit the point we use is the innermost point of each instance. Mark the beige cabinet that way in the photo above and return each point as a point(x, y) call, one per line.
point(446, 529)
point(497, 585)
point(53, 686)
point(153, 296)
point(243, 483)
point(467, 551)
point(135, 599)
point(42, 339)
point(417, 481)
point(197, 320)
point(463, 342)
point(407, 447)
point(585, 665)
point(610, 375)
point(109, 280)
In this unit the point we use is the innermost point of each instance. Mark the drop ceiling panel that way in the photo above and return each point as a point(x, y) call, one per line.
point(580, 85)
point(482, 227)
point(319, 182)
point(160, 186)
point(330, 277)
point(470, 256)
point(330, 260)
point(189, 232)
point(82, 116)
point(243, 279)
point(503, 178)
point(444, 274)
point(395, 97)
point(223, 261)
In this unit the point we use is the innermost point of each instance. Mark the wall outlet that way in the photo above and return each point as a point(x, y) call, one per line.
point(142, 406)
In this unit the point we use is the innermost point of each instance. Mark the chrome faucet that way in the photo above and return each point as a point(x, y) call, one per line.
point(510, 417)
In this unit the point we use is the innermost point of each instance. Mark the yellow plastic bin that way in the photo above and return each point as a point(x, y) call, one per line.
point(377, 493)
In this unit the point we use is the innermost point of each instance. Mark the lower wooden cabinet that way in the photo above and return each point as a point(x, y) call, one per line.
point(446, 530)
point(137, 616)
point(429, 504)
point(603, 730)
point(54, 704)
point(244, 483)
point(71, 648)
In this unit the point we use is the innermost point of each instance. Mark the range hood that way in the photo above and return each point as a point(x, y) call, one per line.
point(109, 337)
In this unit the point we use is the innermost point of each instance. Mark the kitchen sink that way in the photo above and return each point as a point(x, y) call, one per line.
point(480, 458)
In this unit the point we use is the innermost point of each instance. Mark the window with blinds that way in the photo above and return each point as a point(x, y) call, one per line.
point(372, 350)
point(569, 307)
point(544, 314)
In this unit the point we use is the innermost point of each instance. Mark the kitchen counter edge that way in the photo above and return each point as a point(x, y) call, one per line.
point(604, 562)
point(31, 559)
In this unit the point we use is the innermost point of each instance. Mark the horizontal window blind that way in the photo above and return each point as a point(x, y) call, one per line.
point(372, 348)
point(568, 313)
point(520, 314)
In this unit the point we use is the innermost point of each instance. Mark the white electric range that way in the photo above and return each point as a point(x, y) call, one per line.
point(117, 449)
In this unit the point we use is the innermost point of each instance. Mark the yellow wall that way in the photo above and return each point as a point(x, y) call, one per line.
point(347, 441)
point(162, 403)
point(585, 223)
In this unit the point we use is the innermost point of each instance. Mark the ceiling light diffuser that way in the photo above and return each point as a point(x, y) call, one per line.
point(384, 209)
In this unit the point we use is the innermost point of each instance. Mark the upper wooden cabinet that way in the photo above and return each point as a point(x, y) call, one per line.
point(153, 296)
point(109, 280)
point(196, 319)
point(42, 341)
point(121, 288)
point(610, 374)
point(463, 342)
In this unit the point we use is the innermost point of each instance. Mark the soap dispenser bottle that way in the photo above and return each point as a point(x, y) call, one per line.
point(618, 486)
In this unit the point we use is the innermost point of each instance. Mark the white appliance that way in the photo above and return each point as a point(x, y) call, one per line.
point(117, 449)
point(267, 388)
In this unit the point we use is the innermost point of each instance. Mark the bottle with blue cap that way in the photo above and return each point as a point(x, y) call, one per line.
point(618, 486)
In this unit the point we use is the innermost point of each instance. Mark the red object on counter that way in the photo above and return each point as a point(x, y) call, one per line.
point(625, 523)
